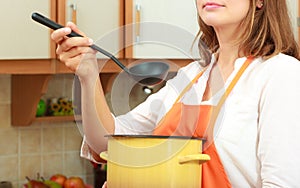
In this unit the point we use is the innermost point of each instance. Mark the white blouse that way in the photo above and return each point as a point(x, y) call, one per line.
point(257, 133)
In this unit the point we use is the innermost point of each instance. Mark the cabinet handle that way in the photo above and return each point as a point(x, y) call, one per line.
point(137, 22)
point(74, 13)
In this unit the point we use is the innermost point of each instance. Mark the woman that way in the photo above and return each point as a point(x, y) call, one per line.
point(249, 89)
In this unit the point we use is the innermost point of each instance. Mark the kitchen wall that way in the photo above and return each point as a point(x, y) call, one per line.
point(44, 148)
point(49, 148)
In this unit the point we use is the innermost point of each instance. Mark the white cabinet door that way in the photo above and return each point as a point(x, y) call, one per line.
point(21, 37)
point(99, 20)
point(164, 28)
point(293, 11)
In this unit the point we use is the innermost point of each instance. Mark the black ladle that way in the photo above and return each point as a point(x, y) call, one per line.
point(147, 73)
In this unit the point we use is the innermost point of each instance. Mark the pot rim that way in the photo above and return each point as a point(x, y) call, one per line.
point(155, 136)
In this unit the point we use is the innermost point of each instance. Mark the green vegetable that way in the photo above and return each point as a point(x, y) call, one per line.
point(52, 184)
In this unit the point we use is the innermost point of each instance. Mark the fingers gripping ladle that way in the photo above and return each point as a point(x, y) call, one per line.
point(147, 73)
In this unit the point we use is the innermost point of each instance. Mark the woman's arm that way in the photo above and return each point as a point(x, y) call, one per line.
point(96, 116)
point(76, 54)
point(279, 126)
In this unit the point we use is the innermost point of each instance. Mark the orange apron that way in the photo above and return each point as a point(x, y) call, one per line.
point(198, 121)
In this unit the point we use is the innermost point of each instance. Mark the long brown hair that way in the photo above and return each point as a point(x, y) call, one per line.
point(265, 32)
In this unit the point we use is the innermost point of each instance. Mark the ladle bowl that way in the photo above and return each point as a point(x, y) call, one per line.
point(147, 73)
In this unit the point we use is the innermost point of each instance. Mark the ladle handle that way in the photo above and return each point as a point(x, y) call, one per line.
point(53, 25)
point(104, 52)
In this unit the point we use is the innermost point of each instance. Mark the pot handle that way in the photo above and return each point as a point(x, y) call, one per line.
point(104, 155)
point(202, 158)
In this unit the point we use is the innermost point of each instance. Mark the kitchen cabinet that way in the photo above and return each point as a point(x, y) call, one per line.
point(100, 20)
point(26, 53)
point(31, 73)
point(160, 29)
point(20, 37)
point(298, 21)
point(27, 48)
point(293, 7)
point(168, 31)
point(33, 62)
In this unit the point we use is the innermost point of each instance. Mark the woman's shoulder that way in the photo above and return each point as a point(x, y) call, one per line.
point(282, 61)
point(279, 68)
point(280, 64)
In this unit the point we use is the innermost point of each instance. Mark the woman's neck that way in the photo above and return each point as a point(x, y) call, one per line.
point(221, 70)
point(226, 58)
point(228, 47)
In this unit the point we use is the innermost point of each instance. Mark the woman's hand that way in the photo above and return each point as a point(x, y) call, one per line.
point(104, 185)
point(75, 52)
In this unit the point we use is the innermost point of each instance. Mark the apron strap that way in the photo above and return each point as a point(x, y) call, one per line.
point(228, 90)
point(216, 110)
point(189, 85)
point(209, 131)
point(234, 81)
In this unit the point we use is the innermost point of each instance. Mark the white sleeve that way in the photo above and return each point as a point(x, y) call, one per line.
point(85, 151)
point(279, 128)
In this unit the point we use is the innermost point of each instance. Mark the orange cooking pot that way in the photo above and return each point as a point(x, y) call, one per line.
point(137, 161)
